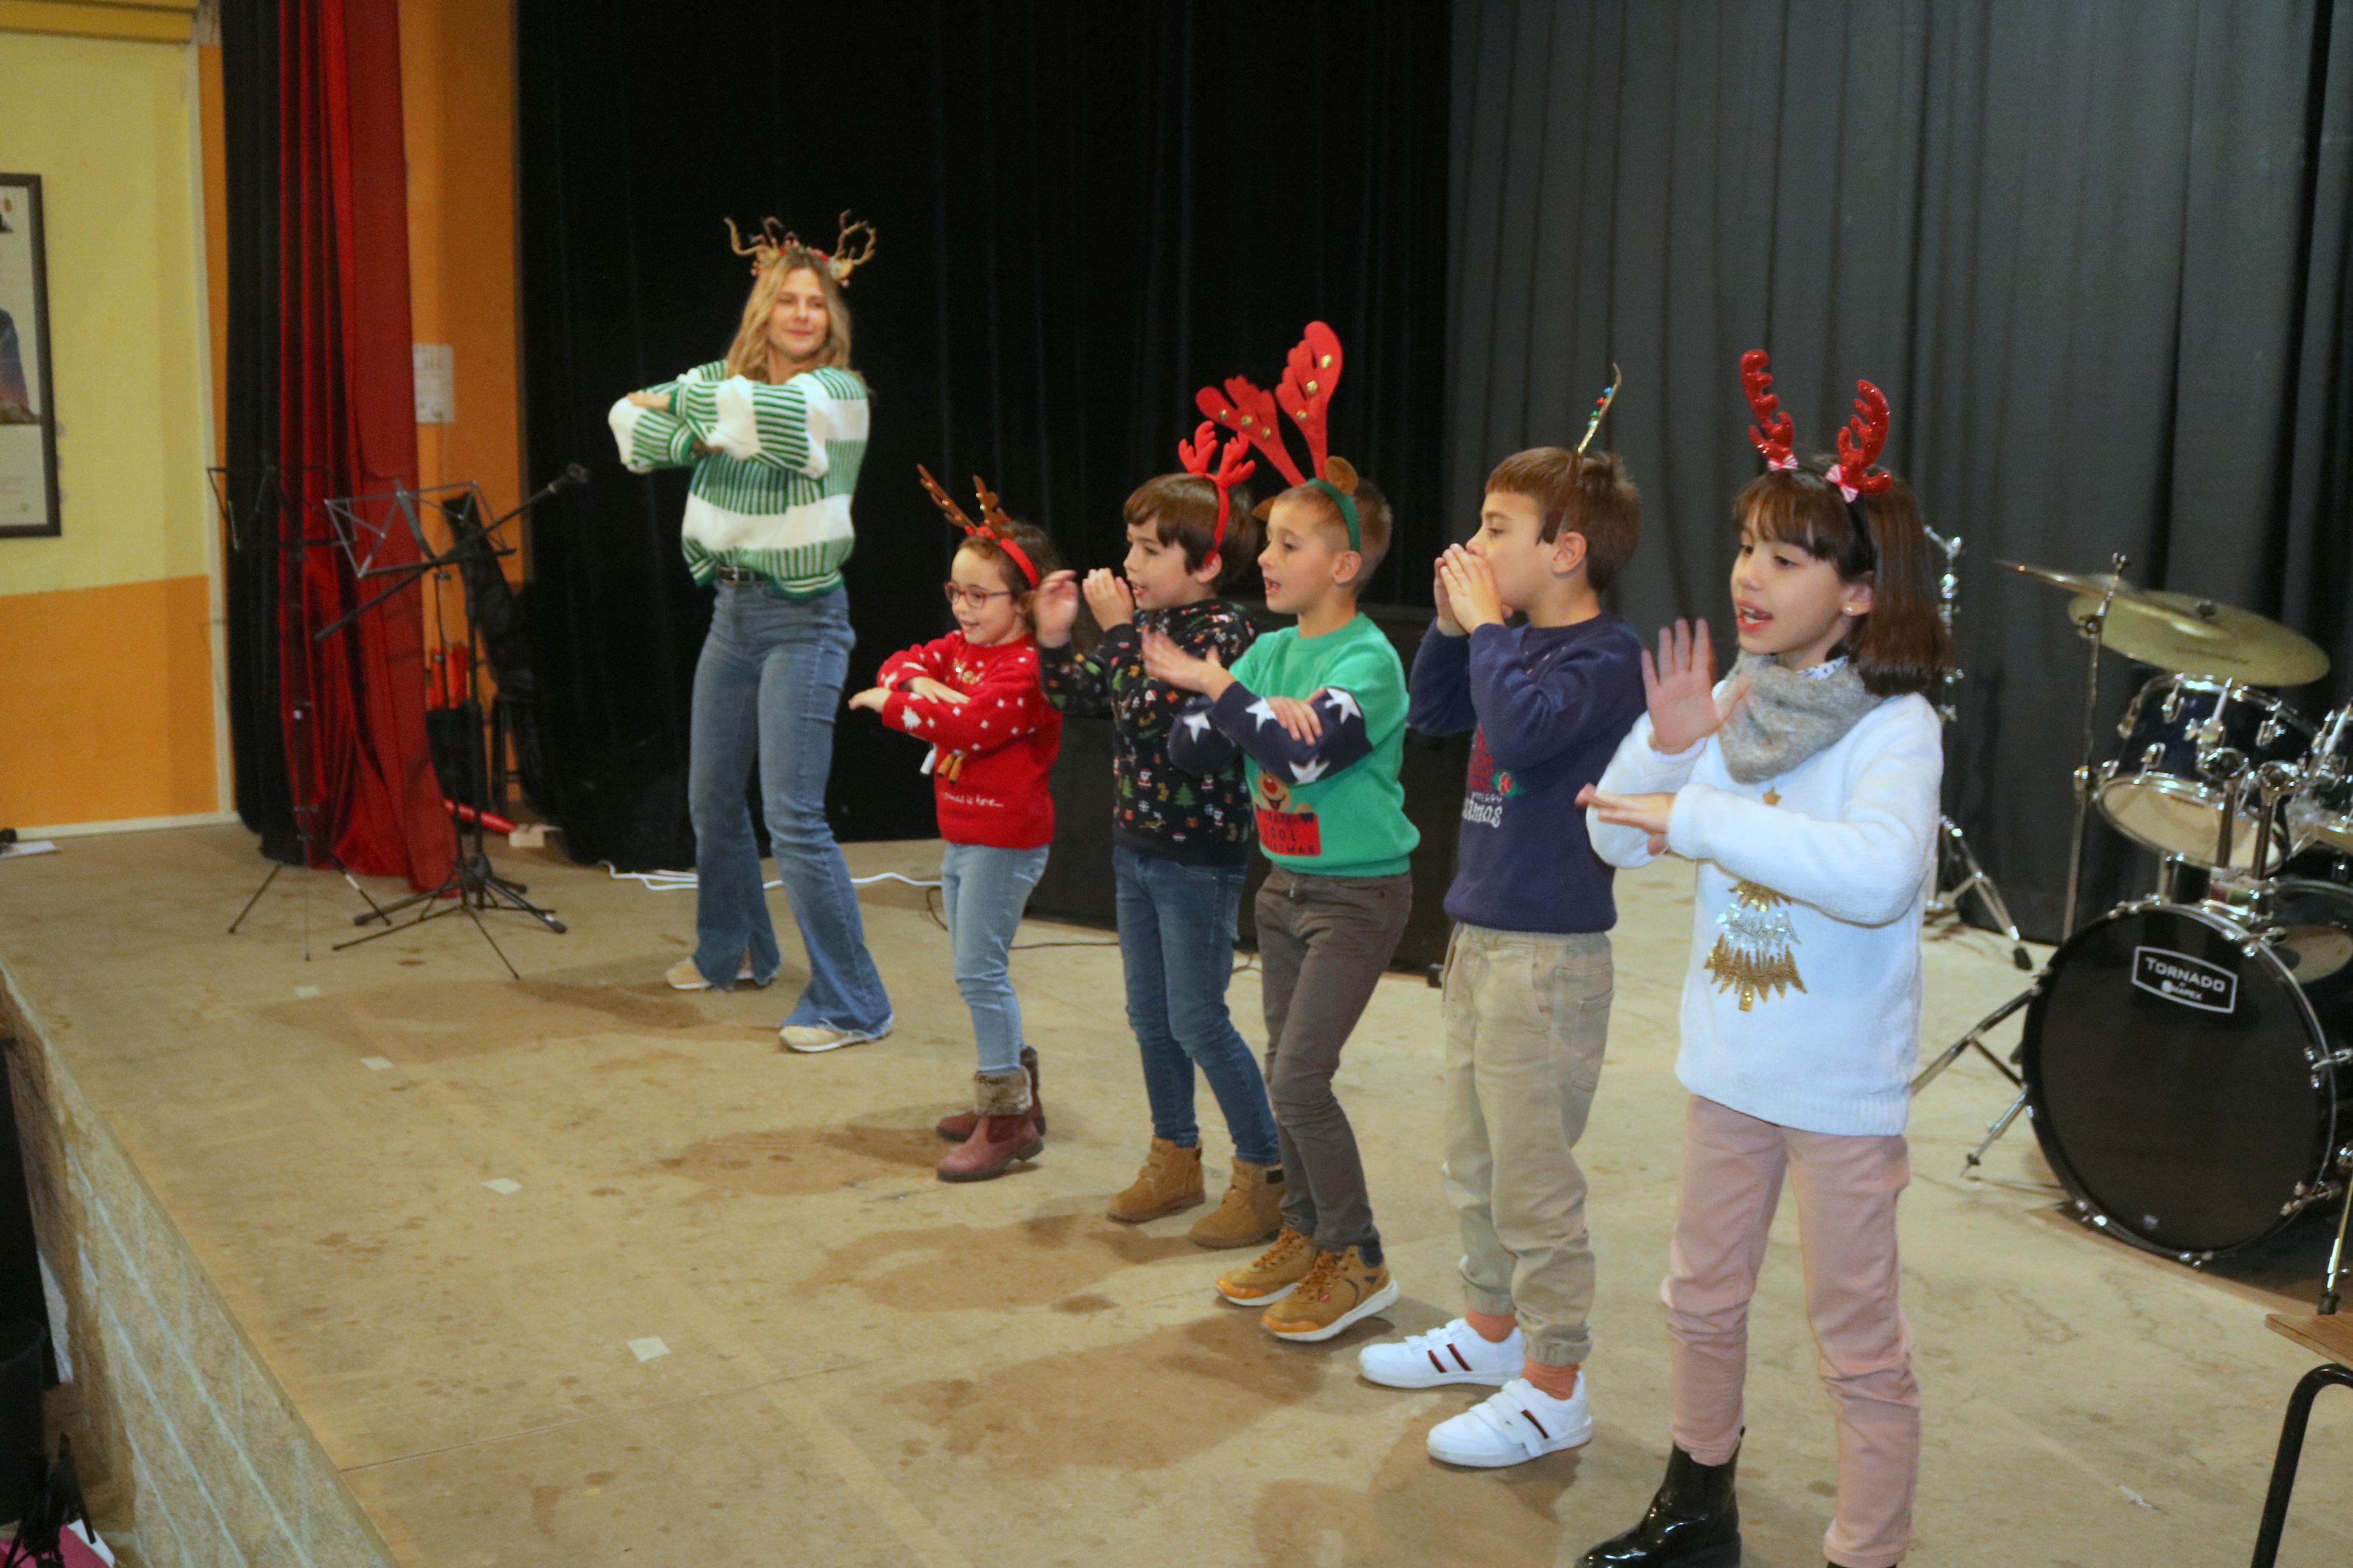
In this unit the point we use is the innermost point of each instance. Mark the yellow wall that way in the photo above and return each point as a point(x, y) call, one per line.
point(119, 619)
point(108, 632)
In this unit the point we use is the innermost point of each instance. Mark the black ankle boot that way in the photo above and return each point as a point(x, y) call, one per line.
point(1694, 1522)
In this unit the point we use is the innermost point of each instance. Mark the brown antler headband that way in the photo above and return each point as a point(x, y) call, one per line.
point(995, 527)
point(770, 246)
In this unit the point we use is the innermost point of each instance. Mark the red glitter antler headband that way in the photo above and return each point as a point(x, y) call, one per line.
point(1859, 443)
point(1774, 431)
point(1309, 377)
point(995, 528)
point(1860, 440)
point(1233, 467)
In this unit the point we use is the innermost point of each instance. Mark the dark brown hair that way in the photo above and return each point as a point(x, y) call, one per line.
point(1036, 543)
point(1591, 494)
point(1372, 523)
point(1902, 645)
point(1182, 509)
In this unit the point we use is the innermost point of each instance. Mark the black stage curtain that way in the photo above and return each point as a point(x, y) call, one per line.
point(265, 797)
point(2095, 253)
point(1086, 212)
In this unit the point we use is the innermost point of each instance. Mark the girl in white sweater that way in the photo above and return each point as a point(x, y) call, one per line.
point(1805, 788)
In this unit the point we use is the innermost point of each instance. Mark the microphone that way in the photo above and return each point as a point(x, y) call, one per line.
point(573, 476)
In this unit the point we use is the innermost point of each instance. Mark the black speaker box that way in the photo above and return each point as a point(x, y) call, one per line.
point(1077, 885)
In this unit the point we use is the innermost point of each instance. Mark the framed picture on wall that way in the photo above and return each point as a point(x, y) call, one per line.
point(28, 426)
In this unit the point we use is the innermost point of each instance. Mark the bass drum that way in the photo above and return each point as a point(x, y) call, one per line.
point(2184, 1076)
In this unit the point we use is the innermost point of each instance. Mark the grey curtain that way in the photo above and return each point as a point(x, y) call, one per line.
point(2093, 250)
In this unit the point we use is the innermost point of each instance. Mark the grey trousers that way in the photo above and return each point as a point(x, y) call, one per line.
point(1322, 943)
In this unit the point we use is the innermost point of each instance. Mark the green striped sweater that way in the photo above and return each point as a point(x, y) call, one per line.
point(773, 477)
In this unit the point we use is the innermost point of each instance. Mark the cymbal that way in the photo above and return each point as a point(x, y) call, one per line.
point(2082, 583)
point(2190, 636)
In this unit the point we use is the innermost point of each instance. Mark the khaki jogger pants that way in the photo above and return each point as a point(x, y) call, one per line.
point(1527, 1016)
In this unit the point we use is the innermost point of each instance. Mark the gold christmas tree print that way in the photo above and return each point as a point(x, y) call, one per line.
point(1754, 953)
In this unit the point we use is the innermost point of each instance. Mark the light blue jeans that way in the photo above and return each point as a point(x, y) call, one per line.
point(767, 689)
point(1176, 944)
point(985, 890)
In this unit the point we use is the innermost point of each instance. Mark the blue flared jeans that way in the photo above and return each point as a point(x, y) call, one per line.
point(766, 690)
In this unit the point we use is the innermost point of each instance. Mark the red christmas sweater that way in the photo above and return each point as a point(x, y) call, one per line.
point(990, 753)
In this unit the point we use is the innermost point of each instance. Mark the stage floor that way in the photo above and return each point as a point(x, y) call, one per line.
point(860, 1365)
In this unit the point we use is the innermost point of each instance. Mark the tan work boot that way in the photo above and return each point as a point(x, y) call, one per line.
point(1271, 1274)
point(1170, 1181)
point(1340, 1289)
point(1251, 1211)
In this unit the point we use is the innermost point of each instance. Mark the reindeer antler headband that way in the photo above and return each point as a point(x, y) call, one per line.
point(994, 528)
point(1305, 393)
point(770, 246)
point(1860, 440)
point(1232, 468)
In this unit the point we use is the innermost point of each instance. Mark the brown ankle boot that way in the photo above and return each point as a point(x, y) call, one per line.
point(1251, 1211)
point(1004, 1130)
point(1170, 1181)
point(957, 1126)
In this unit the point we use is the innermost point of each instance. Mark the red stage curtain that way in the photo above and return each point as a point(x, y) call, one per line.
point(347, 424)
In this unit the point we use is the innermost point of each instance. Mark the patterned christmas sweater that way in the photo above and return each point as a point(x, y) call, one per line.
point(775, 467)
point(1202, 819)
point(990, 753)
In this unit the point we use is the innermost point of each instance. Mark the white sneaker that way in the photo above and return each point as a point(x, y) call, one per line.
point(684, 976)
point(1517, 1423)
point(810, 1038)
point(1455, 1353)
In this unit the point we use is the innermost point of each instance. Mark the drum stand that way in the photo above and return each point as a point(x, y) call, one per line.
point(2092, 627)
point(1954, 845)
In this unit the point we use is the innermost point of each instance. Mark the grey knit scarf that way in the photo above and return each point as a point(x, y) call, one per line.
point(1788, 715)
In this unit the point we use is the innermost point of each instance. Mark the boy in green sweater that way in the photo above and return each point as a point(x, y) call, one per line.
point(1318, 711)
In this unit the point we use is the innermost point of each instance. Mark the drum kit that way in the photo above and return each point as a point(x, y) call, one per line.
point(2187, 1057)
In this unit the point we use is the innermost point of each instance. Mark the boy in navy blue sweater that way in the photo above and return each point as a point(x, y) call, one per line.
point(1528, 973)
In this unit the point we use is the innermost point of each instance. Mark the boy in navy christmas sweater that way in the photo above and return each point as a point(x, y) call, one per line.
point(1529, 978)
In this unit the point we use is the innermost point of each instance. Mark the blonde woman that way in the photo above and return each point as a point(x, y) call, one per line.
point(775, 433)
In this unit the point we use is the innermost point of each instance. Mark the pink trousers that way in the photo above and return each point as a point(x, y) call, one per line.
point(1846, 1186)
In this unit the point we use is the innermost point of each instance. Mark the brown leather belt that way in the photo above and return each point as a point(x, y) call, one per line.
point(735, 574)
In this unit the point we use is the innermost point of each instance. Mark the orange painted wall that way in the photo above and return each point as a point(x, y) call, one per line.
point(123, 722)
point(457, 94)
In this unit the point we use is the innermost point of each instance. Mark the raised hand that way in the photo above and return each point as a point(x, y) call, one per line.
point(1110, 598)
point(1163, 660)
point(1055, 608)
point(1679, 688)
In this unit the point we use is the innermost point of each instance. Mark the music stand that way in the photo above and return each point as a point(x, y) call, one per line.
point(260, 513)
point(363, 525)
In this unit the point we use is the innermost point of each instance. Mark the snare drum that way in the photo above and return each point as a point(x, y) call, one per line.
point(2165, 789)
point(2321, 813)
